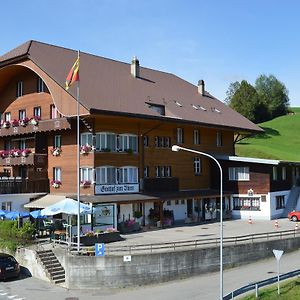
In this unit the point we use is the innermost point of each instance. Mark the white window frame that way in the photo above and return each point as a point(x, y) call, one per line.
point(197, 165)
point(238, 173)
point(86, 174)
point(157, 171)
point(219, 139)
point(19, 88)
point(57, 141)
point(168, 171)
point(37, 111)
point(7, 116)
point(54, 112)
point(57, 174)
point(128, 141)
point(22, 114)
point(283, 173)
point(179, 135)
point(275, 173)
point(105, 140)
point(146, 172)
point(103, 178)
point(127, 174)
point(22, 144)
point(196, 137)
point(86, 139)
point(41, 85)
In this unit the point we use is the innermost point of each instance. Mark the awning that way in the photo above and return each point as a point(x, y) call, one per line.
point(45, 201)
point(151, 197)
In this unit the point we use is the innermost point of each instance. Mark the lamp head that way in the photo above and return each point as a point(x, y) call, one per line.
point(175, 148)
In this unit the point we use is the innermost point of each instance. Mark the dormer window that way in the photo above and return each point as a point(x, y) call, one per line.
point(19, 88)
point(195, 106)
point(40, 85)
point(178, 103)
point(157, 107)
point(203, 108)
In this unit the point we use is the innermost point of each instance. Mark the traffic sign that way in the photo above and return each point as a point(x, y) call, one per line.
point(99, 249)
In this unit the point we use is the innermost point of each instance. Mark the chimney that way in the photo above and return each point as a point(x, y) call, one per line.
point(201, 87)
point(135, 67)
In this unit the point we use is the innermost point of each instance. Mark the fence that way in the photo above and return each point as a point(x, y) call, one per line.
point(183, 245)
point(255, 286)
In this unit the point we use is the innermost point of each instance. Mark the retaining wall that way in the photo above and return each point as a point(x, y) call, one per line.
point(112, 271)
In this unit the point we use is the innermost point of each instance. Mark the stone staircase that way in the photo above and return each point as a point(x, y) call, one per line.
point(52, 266)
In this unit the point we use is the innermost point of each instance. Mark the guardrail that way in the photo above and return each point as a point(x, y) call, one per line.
point(255, 286)
point(183, 245)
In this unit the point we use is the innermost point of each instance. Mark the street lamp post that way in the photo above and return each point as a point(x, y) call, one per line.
point(176, 149)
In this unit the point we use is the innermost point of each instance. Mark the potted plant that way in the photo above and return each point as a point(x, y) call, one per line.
point(16, 152)
point(24, 122)
point(35, 120)
point(56, 151)
point(56, 183)
point(15, 123)
point(6, 124)
point(85, 149)
point(85, 183)
point(25, 152)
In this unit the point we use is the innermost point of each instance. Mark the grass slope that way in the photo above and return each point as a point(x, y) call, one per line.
point(279, 141)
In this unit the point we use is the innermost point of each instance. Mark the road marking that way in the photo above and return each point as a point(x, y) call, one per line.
point(13, 296)
point(3, 294)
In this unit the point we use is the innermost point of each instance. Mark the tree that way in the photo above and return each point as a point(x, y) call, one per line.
point(274, 94)
point(244, 98)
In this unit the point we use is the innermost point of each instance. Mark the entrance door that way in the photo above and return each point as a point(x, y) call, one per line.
point(189, 207)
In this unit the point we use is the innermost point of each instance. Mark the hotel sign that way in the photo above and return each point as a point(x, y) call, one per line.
point(101, 189)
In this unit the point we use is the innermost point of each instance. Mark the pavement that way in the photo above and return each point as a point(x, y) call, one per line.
point(188, 232)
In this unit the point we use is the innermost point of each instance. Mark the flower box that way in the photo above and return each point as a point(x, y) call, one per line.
point(6, 124)
point(84, 150)
point(56, 184)
point(85, 183)
point(35, 120)
point(108, 237)
point(25, 152)
point(24, 122)
point(56, 151)
point(15, 123)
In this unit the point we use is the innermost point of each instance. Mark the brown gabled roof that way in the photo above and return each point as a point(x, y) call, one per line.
point(107, 86)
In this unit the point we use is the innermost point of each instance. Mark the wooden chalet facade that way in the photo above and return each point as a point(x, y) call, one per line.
point(129, 118)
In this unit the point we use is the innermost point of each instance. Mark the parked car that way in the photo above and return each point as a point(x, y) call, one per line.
point(9, 267)
point(294, 215)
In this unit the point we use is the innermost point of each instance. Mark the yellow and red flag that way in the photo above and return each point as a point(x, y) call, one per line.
point(73, 74)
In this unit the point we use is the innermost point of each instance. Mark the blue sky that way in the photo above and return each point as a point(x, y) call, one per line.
point(220, 41)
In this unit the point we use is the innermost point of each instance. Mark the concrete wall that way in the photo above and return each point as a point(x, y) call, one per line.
point(112, 271)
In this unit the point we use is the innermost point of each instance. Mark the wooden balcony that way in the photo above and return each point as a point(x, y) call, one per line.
point(37, 160)
point(42, 126)
point(15, 185)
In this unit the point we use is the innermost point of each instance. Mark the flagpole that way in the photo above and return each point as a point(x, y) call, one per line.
point(78, 163)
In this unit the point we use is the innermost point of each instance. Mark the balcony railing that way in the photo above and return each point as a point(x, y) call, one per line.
point(35, 159)
point(15, 185)
point(41, 126)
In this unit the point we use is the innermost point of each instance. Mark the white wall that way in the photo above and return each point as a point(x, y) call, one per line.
point(277, 213)
point(18, 201)
point(179, 210)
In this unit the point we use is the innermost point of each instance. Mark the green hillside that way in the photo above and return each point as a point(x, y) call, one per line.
point(281, 139)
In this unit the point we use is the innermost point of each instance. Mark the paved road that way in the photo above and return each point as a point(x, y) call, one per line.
point(204, 287)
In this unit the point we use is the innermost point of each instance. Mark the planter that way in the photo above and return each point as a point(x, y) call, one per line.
point(100, 238)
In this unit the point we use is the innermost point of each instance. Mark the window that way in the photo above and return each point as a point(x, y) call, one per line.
point(7, 145)
point(169, 202)
point(168, 171)
point(40, 85)
point(7, 116)
point(157, 171)
point(219, 139)
point(128, 141)
point(163, 171)
point(197, 166)
point(156, 141)
point(6, 206)
point(275, 175)
point(57, 174)
point(105, 141)
point(53, 112)
point(22, 114)
point(19, 89)
point(146, 171)
point(176, 202)
point(179, 136)
point(196, 137)
point(167, 142)
point(146, 140)
point(37, 112)
point(22, 144)
point(283, 173)
point(86, 174)
point(280, 202)
point(162, 141)
point(128, 175)
point(86, 139)
point(57, 141)
point(246, 203)
point(239, 174)
point(182, 201)
point(106, 175)
point(158, 108)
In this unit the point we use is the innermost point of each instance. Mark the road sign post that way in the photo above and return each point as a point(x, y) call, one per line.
point(278, 254)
